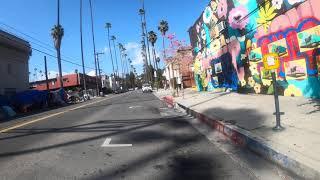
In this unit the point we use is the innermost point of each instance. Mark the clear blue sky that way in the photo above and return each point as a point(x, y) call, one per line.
point(37, 17)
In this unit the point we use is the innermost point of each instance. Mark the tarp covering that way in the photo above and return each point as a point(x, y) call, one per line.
point(6, 112)
point(30, 98)
point(4, 101)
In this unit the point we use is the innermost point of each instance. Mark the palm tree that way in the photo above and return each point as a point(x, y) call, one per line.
point(120, 55)
point(113, 38)
point(163, 28)
point(142, 13)
point(108, 26)
point(152, 37)
point(82, 58)
point(96, 62)
point(57, 33)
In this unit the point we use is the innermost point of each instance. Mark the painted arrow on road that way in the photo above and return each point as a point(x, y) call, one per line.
point(106, 143)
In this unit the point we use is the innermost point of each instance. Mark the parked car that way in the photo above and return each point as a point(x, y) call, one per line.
point(146, 88)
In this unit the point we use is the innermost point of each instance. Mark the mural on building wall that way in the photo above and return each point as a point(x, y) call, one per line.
point(231, 37)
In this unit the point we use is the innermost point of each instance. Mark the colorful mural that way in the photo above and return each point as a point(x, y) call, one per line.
point(231, 37)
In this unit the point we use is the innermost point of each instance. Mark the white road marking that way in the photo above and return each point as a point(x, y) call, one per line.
point(106, 143)
point(131, 107)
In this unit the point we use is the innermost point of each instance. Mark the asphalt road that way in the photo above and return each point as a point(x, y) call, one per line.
point(128, 136)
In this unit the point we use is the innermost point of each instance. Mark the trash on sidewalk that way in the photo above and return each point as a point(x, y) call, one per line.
point(6, 112)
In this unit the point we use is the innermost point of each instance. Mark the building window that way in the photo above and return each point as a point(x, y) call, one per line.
point(9, 69)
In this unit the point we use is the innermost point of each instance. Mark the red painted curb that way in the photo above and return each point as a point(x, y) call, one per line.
point(169, 100)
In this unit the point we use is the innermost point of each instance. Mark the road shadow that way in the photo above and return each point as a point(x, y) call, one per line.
point(195, 167)
point(179, 133)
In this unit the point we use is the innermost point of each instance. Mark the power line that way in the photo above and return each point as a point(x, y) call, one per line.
point(61, 58)
point(42, 44)
point(46, 53)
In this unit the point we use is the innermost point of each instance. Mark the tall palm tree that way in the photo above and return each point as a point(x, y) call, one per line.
point(120, 55)
point(96, 63)
point(163, 28)
point(152, 37)
point(145, 31)
point(113, 38)
point(143, 45)
point(57, 33)
point(82, 58)
point(108, 27)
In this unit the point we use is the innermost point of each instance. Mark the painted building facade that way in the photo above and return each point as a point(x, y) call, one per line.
point(231, 37)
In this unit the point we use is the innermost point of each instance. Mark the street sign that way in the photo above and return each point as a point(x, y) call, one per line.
point(271, 61)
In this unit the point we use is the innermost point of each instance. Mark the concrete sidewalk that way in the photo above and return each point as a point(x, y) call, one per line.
point(296, 148)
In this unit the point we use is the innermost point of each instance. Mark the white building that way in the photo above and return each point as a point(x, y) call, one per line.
point(14, 70)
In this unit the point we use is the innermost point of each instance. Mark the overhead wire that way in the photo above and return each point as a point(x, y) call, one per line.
point(42, 46)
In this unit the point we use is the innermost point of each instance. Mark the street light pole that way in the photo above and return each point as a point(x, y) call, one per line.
point(99, 70)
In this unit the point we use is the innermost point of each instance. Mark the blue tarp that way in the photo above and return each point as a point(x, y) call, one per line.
point(30, 98)
point(4, 101)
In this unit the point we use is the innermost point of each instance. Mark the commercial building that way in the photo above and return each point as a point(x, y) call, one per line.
point(14, 57)
point(231, 37)
point(178, 68)
point(70, 81)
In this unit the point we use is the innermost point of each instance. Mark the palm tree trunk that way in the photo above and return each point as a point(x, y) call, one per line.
point(164, 58)
point(145, 60)
point(115, 55)
point(94, 49)
point(121, 61)
point(111, 58)
point(146, 32)
point(60, 68)
point(155, 66)
point(82, 58)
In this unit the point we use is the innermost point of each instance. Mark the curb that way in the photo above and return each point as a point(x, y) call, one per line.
point(245, 139)
point(169, 101)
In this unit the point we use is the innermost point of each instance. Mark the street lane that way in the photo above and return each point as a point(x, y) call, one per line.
point(72, 145)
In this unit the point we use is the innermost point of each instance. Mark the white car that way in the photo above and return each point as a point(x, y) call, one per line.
point(146, 88)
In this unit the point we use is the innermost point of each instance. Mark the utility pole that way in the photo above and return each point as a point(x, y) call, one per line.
point(94, 48)
point(82, 58)
point(46, 72)
point(99, 70)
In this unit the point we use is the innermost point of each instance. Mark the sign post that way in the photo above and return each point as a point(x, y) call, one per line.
point(271, 62)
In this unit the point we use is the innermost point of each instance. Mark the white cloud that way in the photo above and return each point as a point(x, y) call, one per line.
point(134, 52)
point(39, 76)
